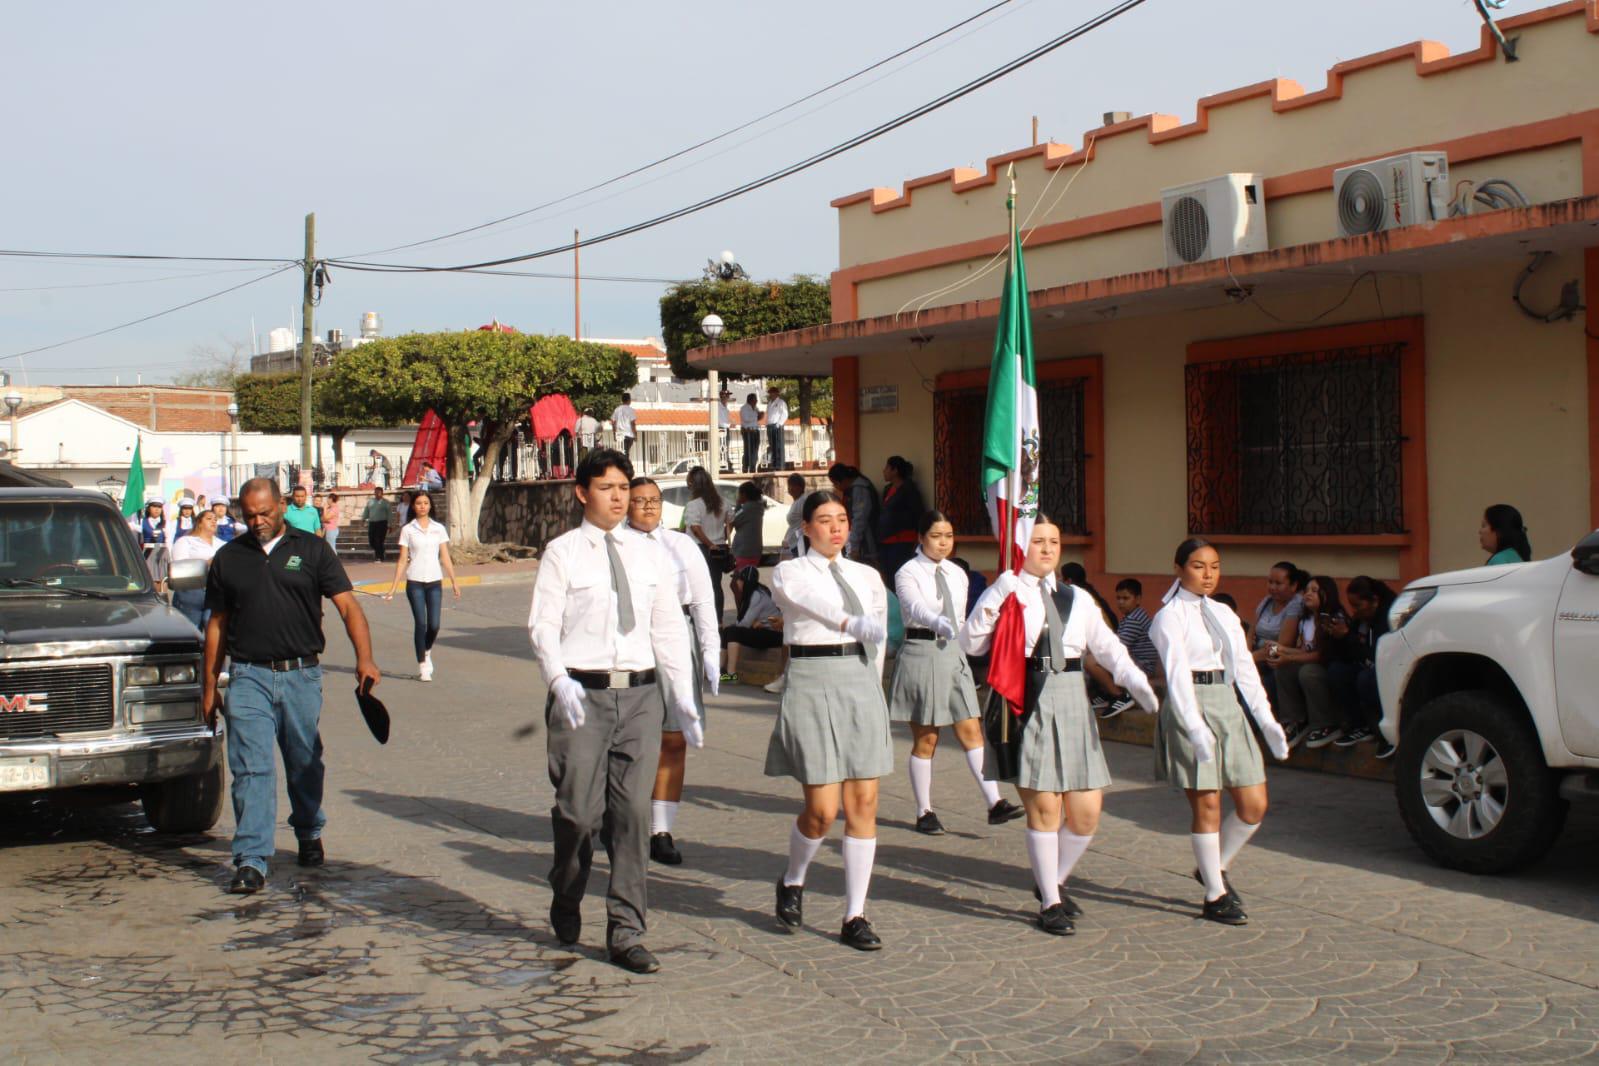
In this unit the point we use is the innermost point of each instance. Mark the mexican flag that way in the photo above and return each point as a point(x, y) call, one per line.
point(1010, 460)
point(133, 493)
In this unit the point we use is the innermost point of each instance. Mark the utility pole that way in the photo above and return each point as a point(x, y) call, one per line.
point(577, 293)
point(307, 345)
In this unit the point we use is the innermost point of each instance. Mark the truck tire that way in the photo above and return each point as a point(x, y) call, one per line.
point(190, 804)
point(1472, 785)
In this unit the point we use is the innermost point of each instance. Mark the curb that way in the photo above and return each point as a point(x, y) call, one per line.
point(378, 588)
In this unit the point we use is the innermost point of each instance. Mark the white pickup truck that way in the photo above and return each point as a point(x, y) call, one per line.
point(1490, 689)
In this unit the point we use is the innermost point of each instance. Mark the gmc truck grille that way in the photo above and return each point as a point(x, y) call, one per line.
point(40, 702)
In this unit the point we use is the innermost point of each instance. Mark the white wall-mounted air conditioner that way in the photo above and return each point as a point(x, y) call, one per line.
point(1384, 194)
point(1211, 219)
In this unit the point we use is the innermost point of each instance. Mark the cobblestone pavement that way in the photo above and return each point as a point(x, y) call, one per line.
point(424, 939)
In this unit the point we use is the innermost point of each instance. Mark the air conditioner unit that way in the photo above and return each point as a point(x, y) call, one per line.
point(1384, 194)
point(1211, 219)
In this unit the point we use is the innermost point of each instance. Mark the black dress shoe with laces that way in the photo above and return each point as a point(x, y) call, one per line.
point(790, 906)
point(1070, 905)
point(857, 933)
point(1225, 910)
point(928, 823)
point(1004, 811)
point(636, 959)
point(247, 881)
point(663, 850)
point(568, 924)
point(311, 853)
point(1227, 883)
point(1055, 921)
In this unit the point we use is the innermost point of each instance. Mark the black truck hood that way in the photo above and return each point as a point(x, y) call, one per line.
point(109, 626)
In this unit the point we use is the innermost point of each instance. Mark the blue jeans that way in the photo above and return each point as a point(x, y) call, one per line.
point(264, 707)
point(774, 446)
point(427, 600)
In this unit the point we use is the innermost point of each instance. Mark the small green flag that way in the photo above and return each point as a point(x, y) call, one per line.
point(133, 496)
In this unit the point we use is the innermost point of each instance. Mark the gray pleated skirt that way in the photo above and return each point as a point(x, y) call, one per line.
point(932, 684)
point(832, 725)
point(669, 723)
point(1060, 749)
point(1237, 762)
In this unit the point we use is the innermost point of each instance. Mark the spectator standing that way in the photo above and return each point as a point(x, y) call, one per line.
point(377, 514)
point(588, 431)
point(379, 472)
point(624, 422)
point(860, 497)
point(1277, 612)
point(265, 593)
point(749, 424)
point(748, 517)
point(706, 519)
point(332, 519)
point(1503, 536)
point(900, 517)
point(201, 543)
point(776, 423)
point(794, 538)
point(424, 562)
point(301, 514)
point(1355, 679)
point(1304, 687)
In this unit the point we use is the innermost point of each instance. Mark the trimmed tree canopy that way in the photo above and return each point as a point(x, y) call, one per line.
point(270, 403)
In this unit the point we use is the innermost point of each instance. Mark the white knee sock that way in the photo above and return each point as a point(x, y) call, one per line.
point(1044, 851)
point(974, 760)
point(859, 855)
point(663, 814)
point(801, 850)
point(1235, 833)
point(921, 771)
point(1207, 853)
point(1072, 847)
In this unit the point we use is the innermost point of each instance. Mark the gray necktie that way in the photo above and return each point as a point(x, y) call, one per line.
point(944, 596)
point(619, 585)
point(1218, 638)
point(852, 602)
point(1057, 649)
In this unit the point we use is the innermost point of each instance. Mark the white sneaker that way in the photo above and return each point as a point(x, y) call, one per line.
point(426, 670)
point(427, 657)
point(775, 686)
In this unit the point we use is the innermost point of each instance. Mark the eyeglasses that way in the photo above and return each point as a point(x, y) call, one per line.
point(645, 503)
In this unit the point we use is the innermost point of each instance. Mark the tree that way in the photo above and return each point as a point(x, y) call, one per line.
point(218, 366)
point(483, 377)
point(270, 403)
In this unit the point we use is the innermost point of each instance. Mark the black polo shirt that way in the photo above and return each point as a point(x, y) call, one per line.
point(274, 603)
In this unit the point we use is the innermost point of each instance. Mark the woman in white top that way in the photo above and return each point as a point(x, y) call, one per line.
point(1203, 743)
point(1061, 773)
point(424, 561)
point(933, 686)
point(832, 731)
point(201, 542)
point(705, 519)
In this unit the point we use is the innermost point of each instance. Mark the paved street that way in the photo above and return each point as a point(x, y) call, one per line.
point(425, 938)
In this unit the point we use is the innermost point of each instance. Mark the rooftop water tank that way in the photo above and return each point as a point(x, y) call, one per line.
point(371, 324)
point(280, 339)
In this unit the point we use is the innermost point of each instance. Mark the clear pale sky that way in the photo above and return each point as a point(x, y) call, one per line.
point(211, 129)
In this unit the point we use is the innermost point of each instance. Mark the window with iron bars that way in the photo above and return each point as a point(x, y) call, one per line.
point(958, 456)
point(1297, 445)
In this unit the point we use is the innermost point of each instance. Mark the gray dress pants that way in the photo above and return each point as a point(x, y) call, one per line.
point(603, 773)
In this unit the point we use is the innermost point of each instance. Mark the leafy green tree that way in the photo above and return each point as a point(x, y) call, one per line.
point(479, 376)
point(270, 403)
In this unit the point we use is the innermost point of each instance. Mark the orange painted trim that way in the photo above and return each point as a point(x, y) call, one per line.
point(847, 409)
point(1590, 270)
point(843, 304)
point(1367, 540)
point(1415, 544)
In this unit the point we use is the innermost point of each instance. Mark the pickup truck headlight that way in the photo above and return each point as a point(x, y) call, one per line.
point(1406, 604)
point(178, 674)
point(141, 676)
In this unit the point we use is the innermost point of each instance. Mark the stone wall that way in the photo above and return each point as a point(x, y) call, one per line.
point(528, 512)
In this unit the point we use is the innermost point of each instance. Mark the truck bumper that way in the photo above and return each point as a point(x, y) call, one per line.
point(1396, 661)
point(119, 760)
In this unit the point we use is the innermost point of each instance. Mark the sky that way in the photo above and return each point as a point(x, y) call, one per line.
point(204, 129)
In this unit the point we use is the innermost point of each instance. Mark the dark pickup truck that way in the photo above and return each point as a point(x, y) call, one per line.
point(99, 678)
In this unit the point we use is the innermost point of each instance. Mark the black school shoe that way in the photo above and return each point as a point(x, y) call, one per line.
point(929, 824)
point(1070, 905)
point(1225, 910)
point(636, 959)
point(664, 850)
point(247, 881)
point(568, 924)
point(1055, 921)
point(857, 933)
point(790, 906)
point(1004, 811)
point(311, 853)
point(1227, 883)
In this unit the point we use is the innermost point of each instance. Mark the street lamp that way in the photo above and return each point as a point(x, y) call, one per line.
point(712, 326)
point(13, 401)
point(229, 478)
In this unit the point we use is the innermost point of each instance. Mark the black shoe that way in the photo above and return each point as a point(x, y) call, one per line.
point(1004, 811)
point(1320, 738)
point(928, 823)
point(857, 933)
point(311, 853)
point(1126, 703)
point(1384, 749)
point(1055, 921)
point(790, 905)
point(1225, 910)
point(636, 959)
point(1227, 883)
point(247, 881)
point(568, 924)
point(1070, 905)
point(1355, 736)
point(663, 850)
point(1296, 733)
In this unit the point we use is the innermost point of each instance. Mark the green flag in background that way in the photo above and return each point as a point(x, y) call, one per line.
point(133, 496)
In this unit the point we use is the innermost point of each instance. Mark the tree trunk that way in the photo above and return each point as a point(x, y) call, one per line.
point(805, 420)
point(338, 452)
point(458, 489)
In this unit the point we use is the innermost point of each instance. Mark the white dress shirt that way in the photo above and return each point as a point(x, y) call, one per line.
point(623, 420)
point(721, 414)
point(813, 604)
point(749, 416)
point(1085, 631)
point(1184, 642)
point(694, 588)
point(422, 547)
point(714, 526)
point(573, 621)
point(776, 412)
point(195, 547)
point(916, 585)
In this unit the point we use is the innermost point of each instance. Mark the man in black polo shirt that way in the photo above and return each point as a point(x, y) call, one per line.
point(265, 595)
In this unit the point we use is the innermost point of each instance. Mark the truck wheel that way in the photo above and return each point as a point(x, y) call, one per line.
point(190, 804)
point(1472, 785)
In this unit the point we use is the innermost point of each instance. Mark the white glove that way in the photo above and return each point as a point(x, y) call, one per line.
point(1276, 740)
point(1204, 744)
point(944, 628)
point(866, 630)
point(1007, 583)
point(689, 719)
point(713, 673)
point(569, 698)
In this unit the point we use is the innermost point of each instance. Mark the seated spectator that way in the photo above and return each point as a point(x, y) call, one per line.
point(1275, 615)
point(1503, 536)
point(429, 479)
point(1133, 629)
point(747, 519)
point(1355, 679)
point(760, 623)
point(1307, 706)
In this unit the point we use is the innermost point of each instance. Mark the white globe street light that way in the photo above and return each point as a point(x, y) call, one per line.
point(712, 326)
point(13, 401)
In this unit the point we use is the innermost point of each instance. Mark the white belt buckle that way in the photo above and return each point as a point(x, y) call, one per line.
point(621, 679)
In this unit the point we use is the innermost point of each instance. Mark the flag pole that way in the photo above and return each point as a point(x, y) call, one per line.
point(1010, 252)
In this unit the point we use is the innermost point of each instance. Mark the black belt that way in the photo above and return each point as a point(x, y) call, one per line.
point(609, 679)
point(1041, 664)
point(821, 651)
point(921, 634)
point(278, 666)
point(1210, 677)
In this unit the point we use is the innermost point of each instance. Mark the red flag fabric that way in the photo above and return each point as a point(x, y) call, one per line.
point(551, 416)
point(1007, 665)
point(431, 444)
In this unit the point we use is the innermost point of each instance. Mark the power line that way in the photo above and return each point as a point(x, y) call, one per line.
point(129, 281)
point(872, 134)
point(16, 253)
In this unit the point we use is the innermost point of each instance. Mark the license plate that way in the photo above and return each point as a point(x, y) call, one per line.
point(18, 775)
